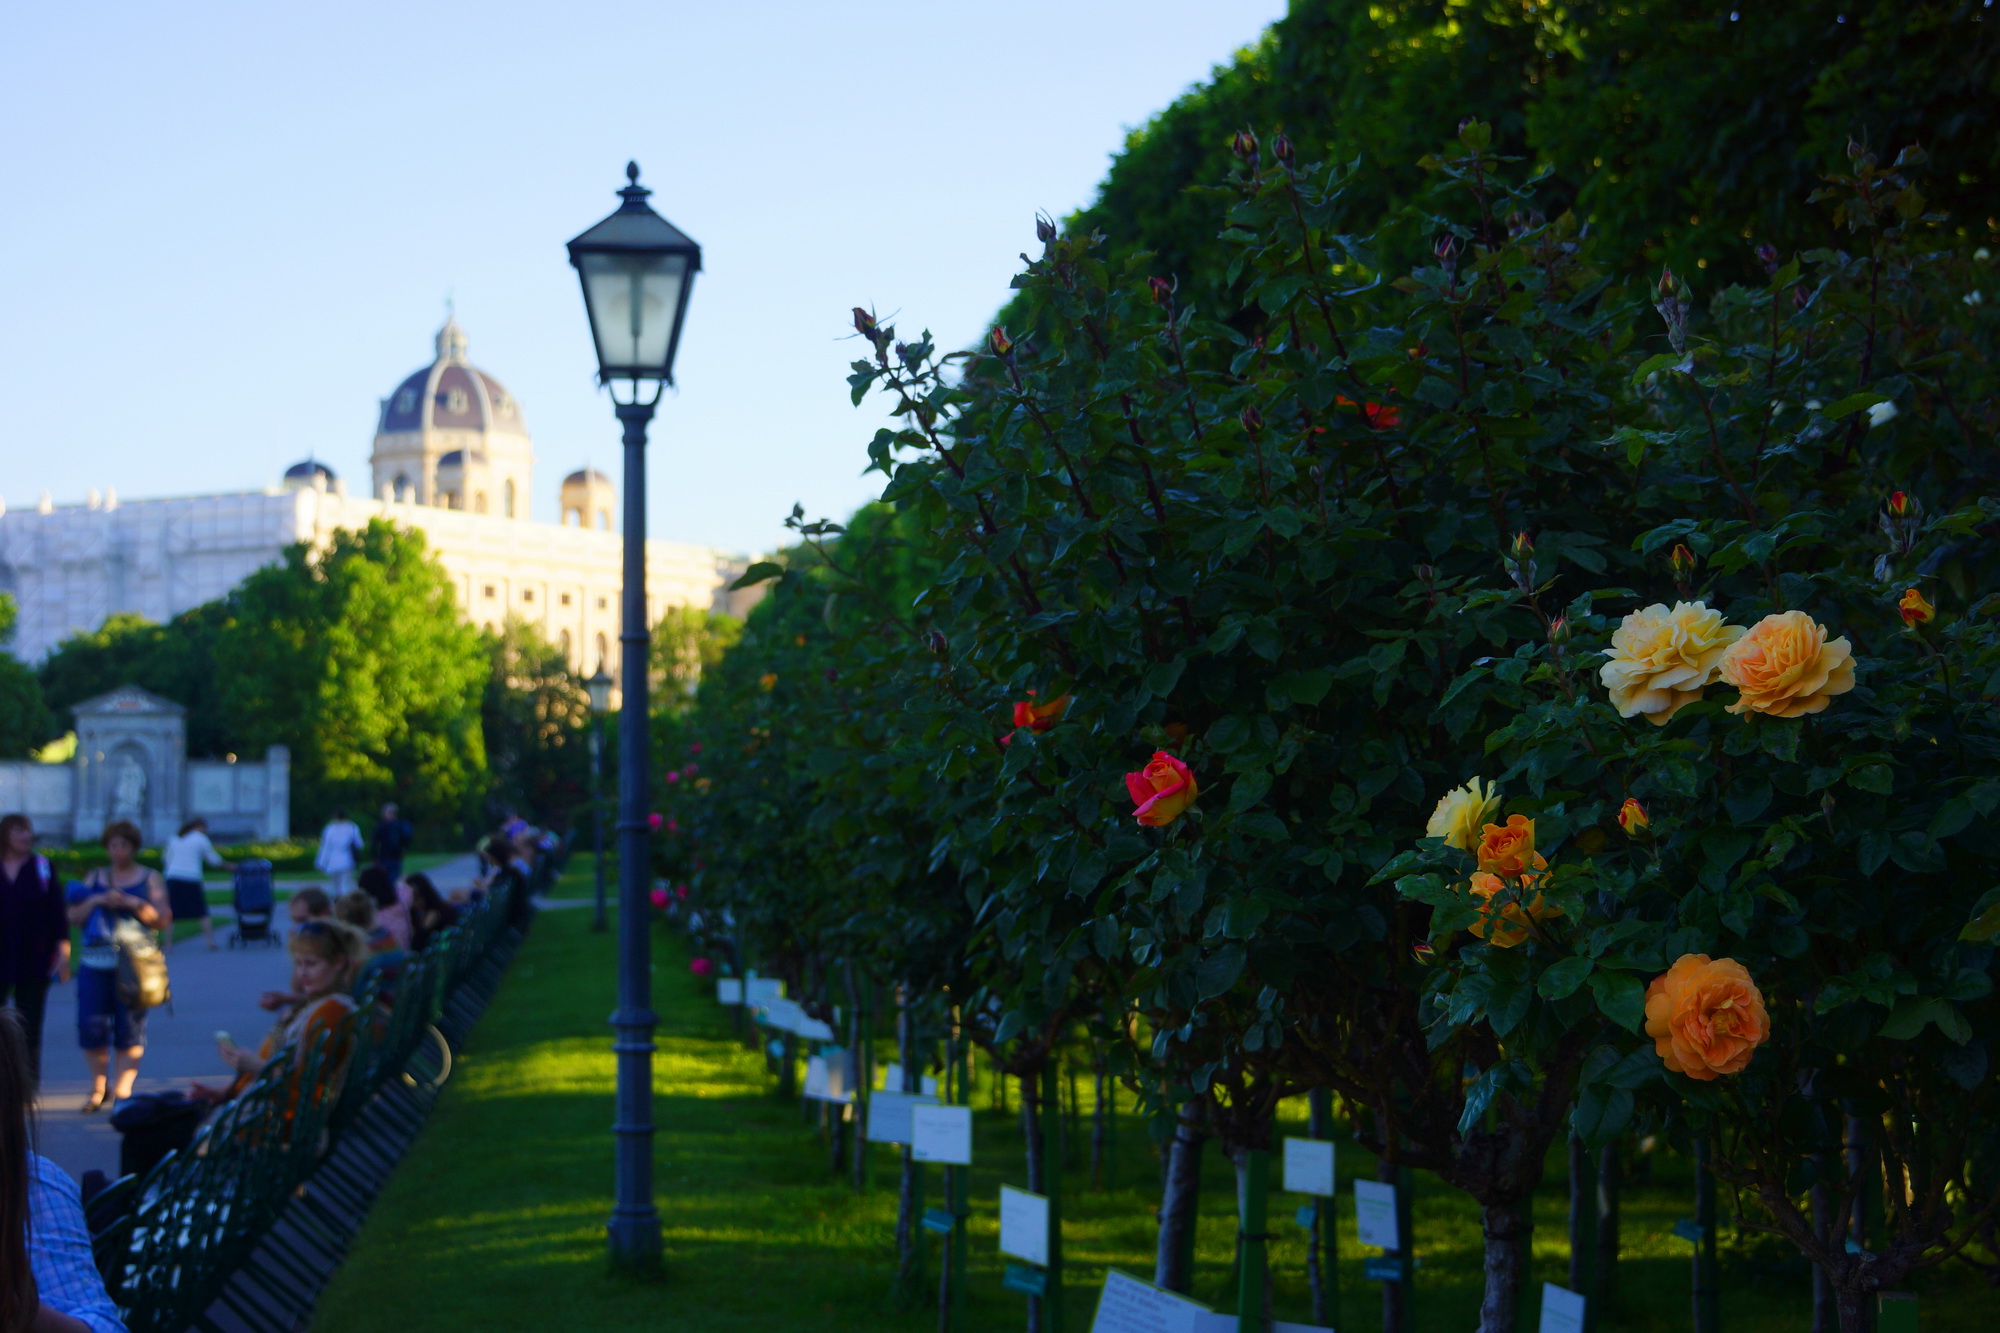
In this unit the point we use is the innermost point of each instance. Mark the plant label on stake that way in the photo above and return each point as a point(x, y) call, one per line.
point(941, 1134)
point(892, 1080)
point(760, 991)
point(729, 991)
point(1375, 1214)
point(1562, 1310)
point(889, 1115)
point(1129, 1305)
point(1309, 1166)
point(1024, 1225)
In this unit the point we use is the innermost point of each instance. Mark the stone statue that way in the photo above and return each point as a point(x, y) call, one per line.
point(128, 792)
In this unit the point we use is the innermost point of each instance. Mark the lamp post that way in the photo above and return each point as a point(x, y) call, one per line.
point(637, 270)
point(598, 687)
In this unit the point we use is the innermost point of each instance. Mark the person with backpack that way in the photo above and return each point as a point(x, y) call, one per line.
point(107, 1019)
point(34, 931)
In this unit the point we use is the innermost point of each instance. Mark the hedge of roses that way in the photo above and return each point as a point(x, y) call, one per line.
point(1522, 699)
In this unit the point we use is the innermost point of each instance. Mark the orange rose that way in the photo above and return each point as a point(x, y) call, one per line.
point(1705, 1017)
point(1508, 850)
point(1163, 790)
point(1040, 717)
point(1632, 817)
point(1787, 667)
point(1515, 914)
point(1915, 610)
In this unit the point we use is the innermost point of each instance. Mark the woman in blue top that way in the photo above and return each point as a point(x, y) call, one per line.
point(124, 889)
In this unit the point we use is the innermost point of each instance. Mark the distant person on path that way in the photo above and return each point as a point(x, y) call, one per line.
point(48, 1279)
point(34, 930)
point(391, 843)
point(121, 891)
point(188, 853)
point(340, 849)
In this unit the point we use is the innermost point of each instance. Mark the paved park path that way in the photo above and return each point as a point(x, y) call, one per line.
point(212, 992)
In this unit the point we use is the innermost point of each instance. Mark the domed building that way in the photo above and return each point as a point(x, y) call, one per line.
point(452, 459)
point(451, 436)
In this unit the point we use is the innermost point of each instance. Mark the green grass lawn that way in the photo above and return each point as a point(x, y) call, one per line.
point(495, 1220)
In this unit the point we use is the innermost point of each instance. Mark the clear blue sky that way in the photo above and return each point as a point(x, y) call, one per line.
point(229, 229)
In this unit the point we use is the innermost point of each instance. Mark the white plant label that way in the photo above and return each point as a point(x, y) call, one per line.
point(1562, 1310)
point(1309, 1166)
point(1375, 1214)
point(1024, 1225)
point(941, 1134)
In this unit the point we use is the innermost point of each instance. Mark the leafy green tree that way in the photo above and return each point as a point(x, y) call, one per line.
point(25, 720)
point(688, 642)
point(532, 716)
point(175, 661)
point(357, 657)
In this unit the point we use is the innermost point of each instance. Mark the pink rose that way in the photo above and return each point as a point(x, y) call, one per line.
point(659, 897)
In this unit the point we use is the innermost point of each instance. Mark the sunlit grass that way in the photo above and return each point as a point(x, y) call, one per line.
point(495, 1220)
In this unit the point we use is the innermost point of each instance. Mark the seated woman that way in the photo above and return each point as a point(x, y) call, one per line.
point(430, 914)
point(326, 954)
point(392, 915)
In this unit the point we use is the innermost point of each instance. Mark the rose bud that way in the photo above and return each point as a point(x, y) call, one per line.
point(999, 341)
point(1915, 610)
point(1681, 561)
point(1424, 953)
point(1244, 145)
point(864, 323)
point(1045, 228)
point(1632, 817)
point(1040, 717)
point(1163, 291)
point(1281, 148)
point(1767, 255)
point(1899, 505)
point(1252, 419)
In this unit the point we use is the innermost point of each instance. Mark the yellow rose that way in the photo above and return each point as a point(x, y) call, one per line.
point(1460, 813)
point(1661, 659)
point(1787, 667)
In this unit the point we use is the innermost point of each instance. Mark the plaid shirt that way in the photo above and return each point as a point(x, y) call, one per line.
point(59, 1251)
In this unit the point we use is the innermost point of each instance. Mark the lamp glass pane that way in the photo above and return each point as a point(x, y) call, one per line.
point(633, 298)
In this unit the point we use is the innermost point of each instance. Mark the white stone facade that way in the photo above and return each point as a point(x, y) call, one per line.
point(452, 459)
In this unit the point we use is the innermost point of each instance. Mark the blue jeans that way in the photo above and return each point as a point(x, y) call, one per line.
point(102, 1019)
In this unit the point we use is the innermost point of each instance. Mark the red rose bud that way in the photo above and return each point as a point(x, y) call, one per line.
point(1559, 630)
point(1244, 145)
point(653, 821)
point(1899, 505)
point(673, 775)
point(1446, 249)
point(1163, 291)
point(1665, 287)
point(1523, 546)
point(673, 826)
point(1045, 228)
point(937, 643)
point(1915, 610)
point(1424, 953)
point(999, 341)
point(695, 748)
point(659, 897)
point(864, 323)
point(1681, 561)
point(681, 892)
point(1281, 148)
point(701, 967)
point(1252, 419)
point(1767, 255)
point(1632, 817)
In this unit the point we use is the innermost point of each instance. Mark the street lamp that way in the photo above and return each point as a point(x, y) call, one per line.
point(637, 270)
point(598, 687)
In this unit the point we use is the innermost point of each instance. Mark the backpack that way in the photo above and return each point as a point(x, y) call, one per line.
point(142, 968)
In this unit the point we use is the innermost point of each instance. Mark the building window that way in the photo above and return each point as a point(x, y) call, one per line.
point(565, 599)
point(479, 502)
point(527, 594)
point(600, 603)
point(604, 520)
point(456, 402)
point(406, 401)
point(489, 590)
point(507, 500)
point(399, 489)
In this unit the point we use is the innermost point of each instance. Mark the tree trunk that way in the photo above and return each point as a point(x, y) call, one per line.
point(1508, 1233)
point(1037, 1151)
point(1319, 1126)
point(1583, 1223)
point(909, 1201)
point(1857, 1311)
point(1824, 1313)
point(1610, 1167)
point(1180, 1203)
point(1099, 1111)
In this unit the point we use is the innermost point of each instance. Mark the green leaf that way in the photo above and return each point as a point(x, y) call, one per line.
point(1601, 1114)
point(1652, 365)
point(1162, 678)
point(1848, 406)
point(758, 573)
point(1909, 1018)
point(1219, 971)
point(1621, 998)
point(1563, 978)
point(1306, 687)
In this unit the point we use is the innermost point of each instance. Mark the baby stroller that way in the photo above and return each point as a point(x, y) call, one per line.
point(256, 903)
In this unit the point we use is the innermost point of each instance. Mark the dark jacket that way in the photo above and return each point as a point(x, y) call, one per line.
point(34, 920)
point(392, 839)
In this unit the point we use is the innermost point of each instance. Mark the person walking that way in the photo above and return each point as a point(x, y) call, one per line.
point(123, 890)
point(188, 853)
point(340, 848)
point(34, 931)
point(391, 843)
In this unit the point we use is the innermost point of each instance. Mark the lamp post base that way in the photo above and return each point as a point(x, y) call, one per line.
point(635, 1244)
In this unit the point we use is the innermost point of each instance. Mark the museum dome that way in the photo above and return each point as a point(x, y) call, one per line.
point(451, 394)
point(311, 473)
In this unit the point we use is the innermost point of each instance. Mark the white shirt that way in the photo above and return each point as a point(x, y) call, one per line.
point(186, 854)
point(338, 844)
